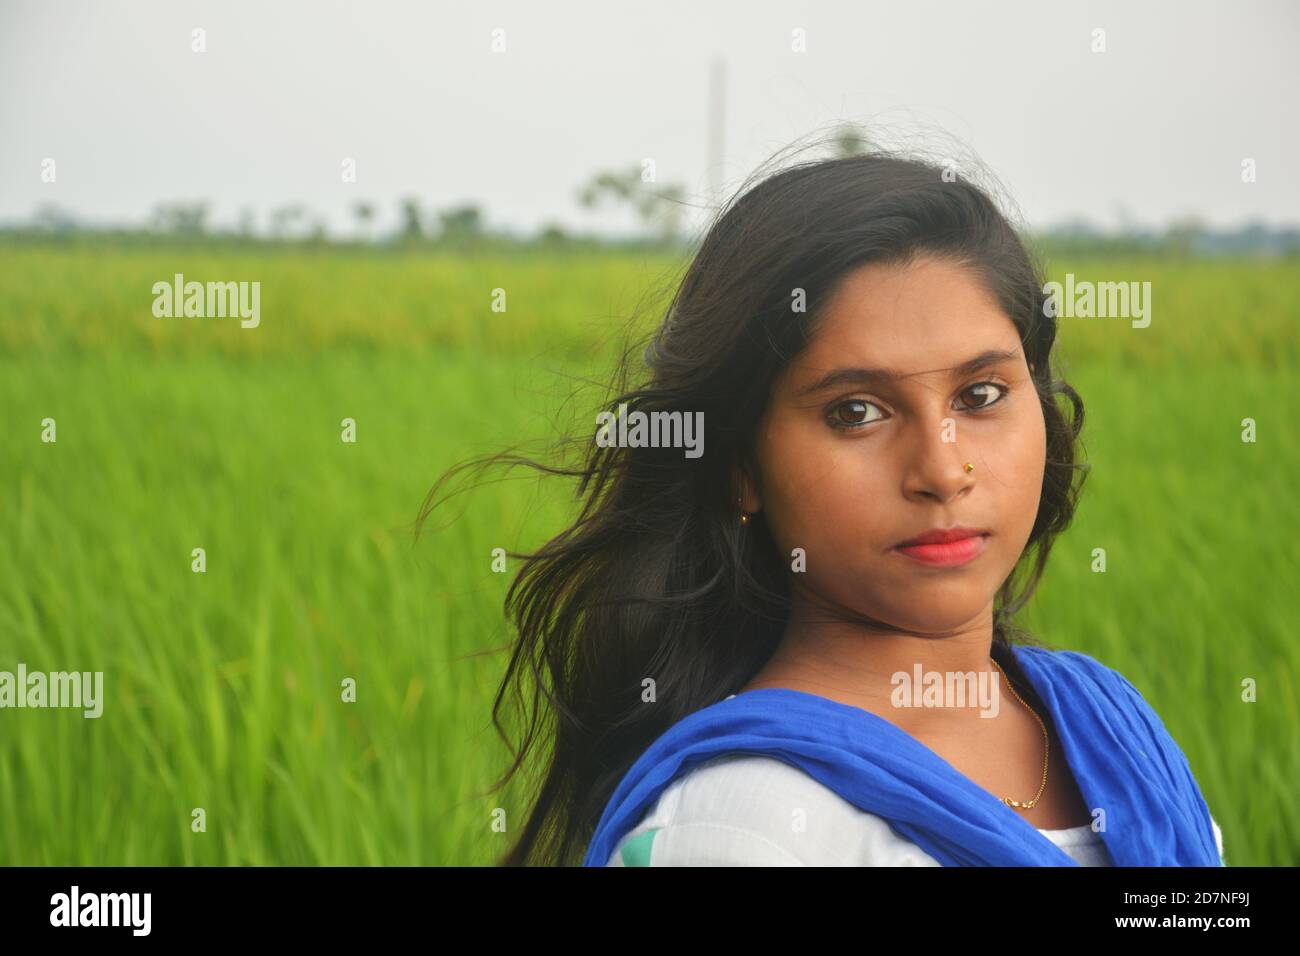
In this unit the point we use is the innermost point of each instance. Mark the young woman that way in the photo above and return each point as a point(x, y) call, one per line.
point(747, 656)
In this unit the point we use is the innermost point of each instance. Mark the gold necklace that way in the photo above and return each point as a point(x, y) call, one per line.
point(1042, 786)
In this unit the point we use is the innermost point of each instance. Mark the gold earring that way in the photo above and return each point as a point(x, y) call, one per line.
point(969, 467)
point(744, 518)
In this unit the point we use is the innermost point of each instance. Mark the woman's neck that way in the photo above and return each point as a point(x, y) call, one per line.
point(843, 661)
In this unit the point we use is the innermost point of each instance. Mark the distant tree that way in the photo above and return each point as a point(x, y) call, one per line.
point(180, 218)
point(365, 216)
point(286, 219)
point(666, 210)
point(412, 221)
point(661, 206)
point(553, 234)
point(461, 223)
point(617, 186)
point(1183, 234)
point(52, 218)
point(849, 140)
point(246, 223)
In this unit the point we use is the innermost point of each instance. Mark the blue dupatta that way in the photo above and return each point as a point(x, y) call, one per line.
point(1123, 759)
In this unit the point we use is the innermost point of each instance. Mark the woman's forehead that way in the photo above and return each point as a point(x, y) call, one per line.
point(905, 343)
point(906, 302)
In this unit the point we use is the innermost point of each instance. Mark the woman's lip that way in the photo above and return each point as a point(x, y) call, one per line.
point(946, 555)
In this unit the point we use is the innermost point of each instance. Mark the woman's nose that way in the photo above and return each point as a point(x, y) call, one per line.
point(934, 468)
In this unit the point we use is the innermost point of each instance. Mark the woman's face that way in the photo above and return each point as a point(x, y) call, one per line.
point(852, 465)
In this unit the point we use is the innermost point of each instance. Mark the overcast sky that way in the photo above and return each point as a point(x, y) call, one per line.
point(1155, 127)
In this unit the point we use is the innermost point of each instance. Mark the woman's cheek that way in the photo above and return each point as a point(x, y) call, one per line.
point(792, 519)
point(839, 527)
point(1022, 458)
point(792, 494)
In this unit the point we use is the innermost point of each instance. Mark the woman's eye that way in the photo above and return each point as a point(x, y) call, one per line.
point(986, 394)
point(853, 413)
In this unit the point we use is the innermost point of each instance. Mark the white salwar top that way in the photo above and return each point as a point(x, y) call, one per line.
point(744, 809)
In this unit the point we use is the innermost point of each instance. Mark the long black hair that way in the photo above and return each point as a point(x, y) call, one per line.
point(656, 577)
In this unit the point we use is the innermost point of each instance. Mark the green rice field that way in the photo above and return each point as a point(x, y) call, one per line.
point(222, 689)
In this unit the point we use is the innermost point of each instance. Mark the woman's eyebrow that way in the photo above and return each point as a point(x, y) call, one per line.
point(880, 376)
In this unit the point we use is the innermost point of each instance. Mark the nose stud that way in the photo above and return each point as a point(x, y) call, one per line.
point(969, 467)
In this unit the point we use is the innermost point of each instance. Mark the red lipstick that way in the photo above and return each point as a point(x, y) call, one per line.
point(945, 547)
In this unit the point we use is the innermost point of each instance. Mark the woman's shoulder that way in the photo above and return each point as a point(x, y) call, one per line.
point(1085, 670)
point(1064, 657)
point(1077, 662)
point(1101, 673)
point(745, 809)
